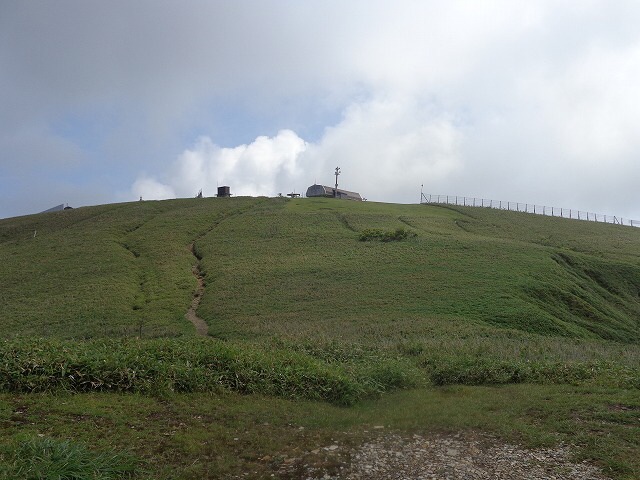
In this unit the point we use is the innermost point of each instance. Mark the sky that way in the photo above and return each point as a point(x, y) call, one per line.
point(533, 102)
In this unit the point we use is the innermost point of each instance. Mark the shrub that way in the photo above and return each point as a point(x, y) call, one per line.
point(385, 236)
point(473, 371)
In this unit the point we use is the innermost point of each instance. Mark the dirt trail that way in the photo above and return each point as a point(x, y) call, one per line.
point(201, 326)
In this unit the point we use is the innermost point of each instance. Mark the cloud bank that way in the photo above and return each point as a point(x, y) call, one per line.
point(384, 148)
point(254, 169)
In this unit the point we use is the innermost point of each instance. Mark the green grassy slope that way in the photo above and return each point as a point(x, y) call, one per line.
point(296, 269)
point(112, 270)
point(516, 324)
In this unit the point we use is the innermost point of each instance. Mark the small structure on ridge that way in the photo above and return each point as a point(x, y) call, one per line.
point(58, 208)
point(323, 191)
point(224, 191)
point(330, 192)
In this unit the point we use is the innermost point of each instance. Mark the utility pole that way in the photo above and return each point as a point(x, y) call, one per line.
point(335, 192)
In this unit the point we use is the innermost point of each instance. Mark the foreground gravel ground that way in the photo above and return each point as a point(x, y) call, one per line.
point(468, 456)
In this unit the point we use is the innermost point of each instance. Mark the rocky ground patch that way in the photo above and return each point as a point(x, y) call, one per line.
point(461, 456)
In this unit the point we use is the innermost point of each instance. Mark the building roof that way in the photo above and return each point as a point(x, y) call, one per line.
point(57, 208)
point(324, 191)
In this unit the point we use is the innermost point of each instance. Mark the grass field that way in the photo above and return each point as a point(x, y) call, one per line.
point(325, 318)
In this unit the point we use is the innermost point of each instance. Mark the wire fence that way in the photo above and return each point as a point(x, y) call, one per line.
point(527, 208)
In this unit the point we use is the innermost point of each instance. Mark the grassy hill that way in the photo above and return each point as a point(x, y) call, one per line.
point(330, 301)
point(297, 269)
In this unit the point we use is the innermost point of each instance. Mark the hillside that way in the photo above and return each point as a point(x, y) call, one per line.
point(297, 269)
point(421, 318)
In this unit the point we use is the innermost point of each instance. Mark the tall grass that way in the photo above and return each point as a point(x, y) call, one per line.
point(44, 458)
point(341, 374)
point(195, 365)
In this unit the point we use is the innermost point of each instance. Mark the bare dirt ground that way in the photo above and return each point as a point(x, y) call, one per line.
point(201, 326)
point(461, 456)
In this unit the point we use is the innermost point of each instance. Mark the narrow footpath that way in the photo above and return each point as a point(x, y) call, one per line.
point(201, 326)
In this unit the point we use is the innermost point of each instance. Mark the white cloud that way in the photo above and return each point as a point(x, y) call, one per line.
point(150, 189)
point(388, 147)
point(259, 168)
point(384, 147)
point(594, 105)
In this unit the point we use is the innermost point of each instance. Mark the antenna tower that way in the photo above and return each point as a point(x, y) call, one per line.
point(335, 192)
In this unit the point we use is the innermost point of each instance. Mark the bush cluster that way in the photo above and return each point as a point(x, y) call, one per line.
point(385, 236)
point(190, 365)
point(474, 371)
point(337, 374)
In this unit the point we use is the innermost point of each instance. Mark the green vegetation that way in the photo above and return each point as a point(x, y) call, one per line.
point(524, 326)
point(47, 458)
point(114, 270)
point(390, 236)
point(194, 365)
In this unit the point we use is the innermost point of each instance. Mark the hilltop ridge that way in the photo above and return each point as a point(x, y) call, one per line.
point(296, 268)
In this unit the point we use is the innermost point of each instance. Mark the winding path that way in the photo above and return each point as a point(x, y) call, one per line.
point(201, 326)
